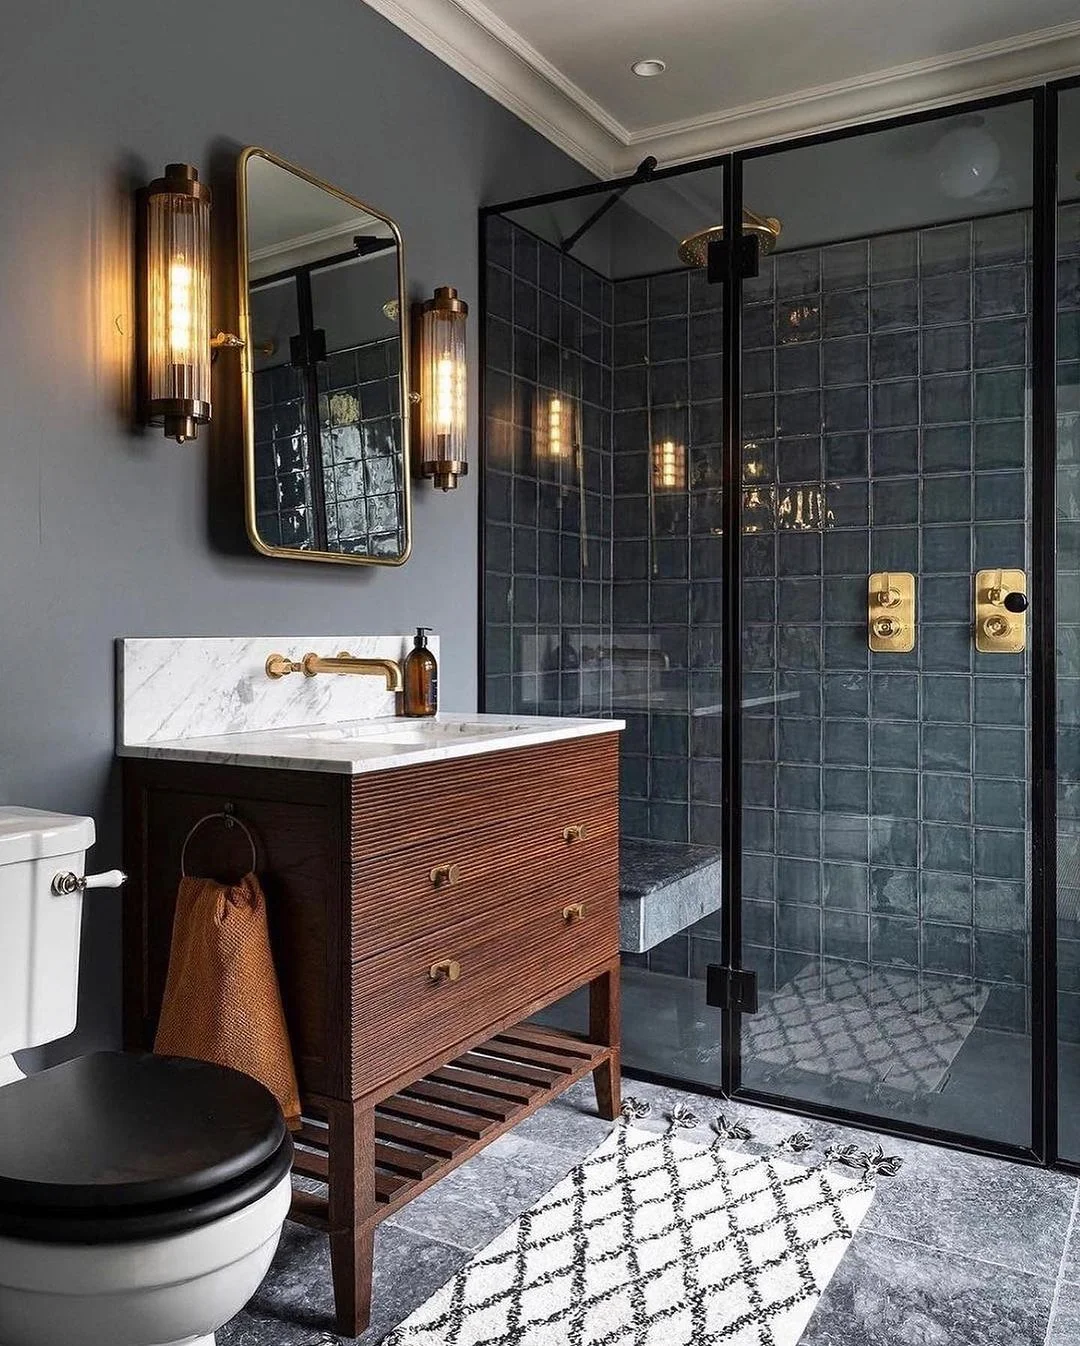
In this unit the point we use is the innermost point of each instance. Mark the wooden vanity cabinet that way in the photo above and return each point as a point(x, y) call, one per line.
point(418, 916)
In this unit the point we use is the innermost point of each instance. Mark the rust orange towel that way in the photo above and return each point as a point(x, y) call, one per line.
point(222, 1001)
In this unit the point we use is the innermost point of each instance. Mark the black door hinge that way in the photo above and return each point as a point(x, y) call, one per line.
point(731, 988)
point(744, 263)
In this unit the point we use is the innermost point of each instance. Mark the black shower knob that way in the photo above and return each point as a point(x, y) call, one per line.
point(1016, 602)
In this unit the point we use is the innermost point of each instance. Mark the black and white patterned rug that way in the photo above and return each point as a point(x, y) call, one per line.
point(654, 1240)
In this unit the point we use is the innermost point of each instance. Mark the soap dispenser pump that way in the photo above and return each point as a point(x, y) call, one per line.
point(421, 695)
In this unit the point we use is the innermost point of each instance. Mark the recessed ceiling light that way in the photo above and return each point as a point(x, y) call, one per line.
point(649, 67)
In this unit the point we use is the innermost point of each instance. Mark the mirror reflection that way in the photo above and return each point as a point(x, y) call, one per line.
point(326, 452)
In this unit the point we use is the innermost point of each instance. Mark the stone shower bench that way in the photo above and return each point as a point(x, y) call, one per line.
point(664, 886)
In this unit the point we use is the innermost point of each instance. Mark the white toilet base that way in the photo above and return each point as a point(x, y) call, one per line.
point(164, 1292)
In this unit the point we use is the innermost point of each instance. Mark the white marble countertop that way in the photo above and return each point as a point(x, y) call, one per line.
point(354, 747)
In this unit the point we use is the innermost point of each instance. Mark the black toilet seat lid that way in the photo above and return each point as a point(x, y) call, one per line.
point(116, 1133)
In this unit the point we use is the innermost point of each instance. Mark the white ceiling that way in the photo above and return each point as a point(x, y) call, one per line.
point(739, 72)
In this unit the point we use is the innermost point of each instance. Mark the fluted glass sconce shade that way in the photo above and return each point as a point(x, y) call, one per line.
point(442, 375)
point(669, 466)
point(177, 227)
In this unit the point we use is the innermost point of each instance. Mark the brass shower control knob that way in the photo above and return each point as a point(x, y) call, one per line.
point(447, 969)
point(446, 875)
point(890, 612)
point(1000, 616)
point(575, 911)
point(575, 832)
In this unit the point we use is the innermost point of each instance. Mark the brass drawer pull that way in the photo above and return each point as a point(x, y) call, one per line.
point(448, 874)
point(575, 832)
point(575, 911)
point(449, 968)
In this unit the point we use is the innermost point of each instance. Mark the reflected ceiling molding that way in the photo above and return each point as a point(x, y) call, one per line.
point(475, 42)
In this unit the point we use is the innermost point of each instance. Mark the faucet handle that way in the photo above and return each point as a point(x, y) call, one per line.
point(277, 666)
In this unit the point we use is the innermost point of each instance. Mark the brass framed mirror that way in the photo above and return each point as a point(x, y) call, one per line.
point(324, 369)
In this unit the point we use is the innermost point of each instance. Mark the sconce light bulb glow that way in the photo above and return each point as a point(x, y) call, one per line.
point(181, 280)
point(449, 395)
point(669, 466)
point(555, 443)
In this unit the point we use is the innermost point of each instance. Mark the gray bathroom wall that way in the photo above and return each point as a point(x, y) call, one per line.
point(107, 531)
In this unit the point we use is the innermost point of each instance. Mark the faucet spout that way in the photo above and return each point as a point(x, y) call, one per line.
point(345, 662)
point(277, 666)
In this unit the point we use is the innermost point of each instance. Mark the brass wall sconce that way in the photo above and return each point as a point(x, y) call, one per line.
point(669, 466)
point(441, 377)
point(176, 285)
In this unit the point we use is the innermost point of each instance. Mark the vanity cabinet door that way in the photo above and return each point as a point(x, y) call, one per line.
point(412, 1003)
point(564, 852)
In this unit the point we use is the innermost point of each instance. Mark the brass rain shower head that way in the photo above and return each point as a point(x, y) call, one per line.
point(694, 251)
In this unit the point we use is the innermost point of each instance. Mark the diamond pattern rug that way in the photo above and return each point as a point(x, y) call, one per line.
point(880, 1027)
point(657, 1241)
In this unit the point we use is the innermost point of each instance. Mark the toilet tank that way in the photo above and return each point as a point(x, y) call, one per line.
point(39, 930)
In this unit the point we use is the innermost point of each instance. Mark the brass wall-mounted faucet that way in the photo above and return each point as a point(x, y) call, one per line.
point(278, 666)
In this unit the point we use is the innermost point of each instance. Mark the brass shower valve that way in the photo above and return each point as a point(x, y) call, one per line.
point(891, 612)
point(1000, 604)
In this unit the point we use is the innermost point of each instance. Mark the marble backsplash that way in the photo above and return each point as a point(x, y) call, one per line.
point(192, 686)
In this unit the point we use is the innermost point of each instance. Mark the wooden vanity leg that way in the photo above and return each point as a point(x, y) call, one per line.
point(352, 1206)
point(604, 1020)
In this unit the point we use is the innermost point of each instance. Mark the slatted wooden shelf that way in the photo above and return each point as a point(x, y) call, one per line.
point(436, 1123)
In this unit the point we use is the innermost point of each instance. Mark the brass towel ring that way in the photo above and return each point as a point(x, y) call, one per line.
point(230, 820)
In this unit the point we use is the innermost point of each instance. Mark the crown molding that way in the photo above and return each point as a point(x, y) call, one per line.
point(996, 67)
point(475, 42)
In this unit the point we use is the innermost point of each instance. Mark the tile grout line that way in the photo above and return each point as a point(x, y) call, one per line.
point(1061, 1265)
point(954, 1252)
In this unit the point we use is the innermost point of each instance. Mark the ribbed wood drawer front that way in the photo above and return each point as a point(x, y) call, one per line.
point(393, 810)
point(401, 1016)
point(403, 895)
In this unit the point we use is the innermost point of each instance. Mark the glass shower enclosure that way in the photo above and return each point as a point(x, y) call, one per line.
point(794, 510)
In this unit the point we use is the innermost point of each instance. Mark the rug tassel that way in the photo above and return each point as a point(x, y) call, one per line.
point(875, 1163)
point(797, 1143)
point(633, 1109)
point(726, 1130)
point(681, 1116)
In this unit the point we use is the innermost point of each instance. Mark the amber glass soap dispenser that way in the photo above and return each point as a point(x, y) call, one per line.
point(421, 678)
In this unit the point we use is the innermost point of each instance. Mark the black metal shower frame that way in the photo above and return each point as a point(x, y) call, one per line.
point(1043, 99)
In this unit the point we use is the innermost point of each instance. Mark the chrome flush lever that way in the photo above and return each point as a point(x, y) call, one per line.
point(64, 884)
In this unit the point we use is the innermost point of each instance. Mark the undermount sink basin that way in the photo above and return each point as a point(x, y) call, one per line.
point(407, 733)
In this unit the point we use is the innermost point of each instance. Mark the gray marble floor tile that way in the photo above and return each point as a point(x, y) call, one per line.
point(890, 1293)
point(1010, 1214)
point(294, 1306)
point(1065, 1320)
point(475, 1202)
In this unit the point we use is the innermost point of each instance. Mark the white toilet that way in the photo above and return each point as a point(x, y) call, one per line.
point(141, 1197)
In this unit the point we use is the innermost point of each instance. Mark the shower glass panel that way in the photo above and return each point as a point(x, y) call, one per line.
point(886, 396)
point(1068, 623)
point(602, 576)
